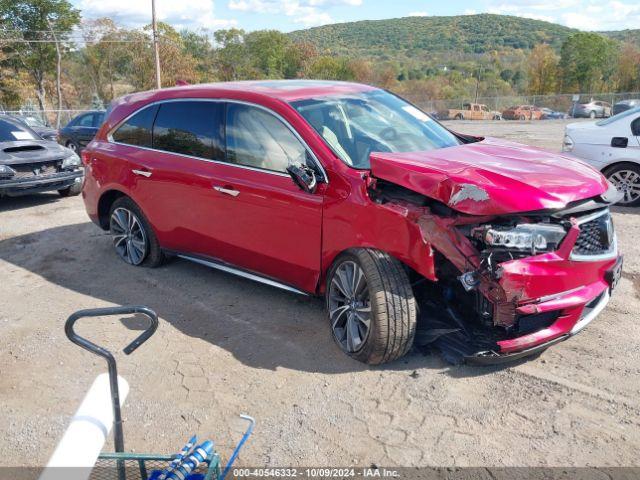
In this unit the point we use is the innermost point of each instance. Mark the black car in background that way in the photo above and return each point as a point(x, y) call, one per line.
point(81, 130)
point(625, 105)
point(29, 164)
point(44, 131)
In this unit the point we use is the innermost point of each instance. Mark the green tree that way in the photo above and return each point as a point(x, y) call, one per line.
point(587, 62)
point(267, 51)
point(37, 23)
point(542, 67)
point(628, 68)
point(330, 68)
point(175, 64)
point(230, 56)
point(198, 46)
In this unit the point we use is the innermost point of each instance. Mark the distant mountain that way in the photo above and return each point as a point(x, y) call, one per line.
point(413, 37)
point(631, 36)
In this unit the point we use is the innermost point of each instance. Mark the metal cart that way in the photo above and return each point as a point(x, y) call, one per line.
point(129, 466)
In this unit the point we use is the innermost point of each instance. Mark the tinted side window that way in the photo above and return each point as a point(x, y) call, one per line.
point(85, 120)
point(191, 128)
point(137, 130)
point(256, 138)
point(98, 118)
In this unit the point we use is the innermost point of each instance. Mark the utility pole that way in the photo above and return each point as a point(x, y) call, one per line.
point(156, 52)
point(58, 74)
point(478, 83)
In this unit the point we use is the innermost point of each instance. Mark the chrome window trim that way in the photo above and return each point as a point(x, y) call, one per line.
point(325, 177)
point(613, 253)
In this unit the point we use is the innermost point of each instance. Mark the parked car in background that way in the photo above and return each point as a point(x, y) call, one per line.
point(347, 191)
point(625, 105)
point(548, 114)
point(29, 164)
point(593, 109)
point(45, 132)
point(80, 130)
point(522, 112)
point(613, 147)
point(469, 111)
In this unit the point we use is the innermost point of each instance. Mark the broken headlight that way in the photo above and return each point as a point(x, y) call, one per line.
point(71, 162)
point(6, 172)
point(524, 236)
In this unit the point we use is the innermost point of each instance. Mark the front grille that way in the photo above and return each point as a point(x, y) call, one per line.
point(596, 235)
point(35, 169)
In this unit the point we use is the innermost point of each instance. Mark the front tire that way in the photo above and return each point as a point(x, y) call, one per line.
point(72, 191)
point(626, 178)
point(73, 146)
point(592, 114)
point(371, 307)
point(133, 238)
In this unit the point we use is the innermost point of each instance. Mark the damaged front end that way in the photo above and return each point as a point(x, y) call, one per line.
point(507, 285)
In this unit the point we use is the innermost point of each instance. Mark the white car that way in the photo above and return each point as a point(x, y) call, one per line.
point(611, 145)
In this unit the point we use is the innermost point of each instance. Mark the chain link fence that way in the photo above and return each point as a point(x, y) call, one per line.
point(560, 102)
point(46, 117)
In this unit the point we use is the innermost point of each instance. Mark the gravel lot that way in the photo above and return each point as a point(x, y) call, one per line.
point(227, 346)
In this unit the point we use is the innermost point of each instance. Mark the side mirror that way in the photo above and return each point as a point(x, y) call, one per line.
point(304, 177)
point(619, 142)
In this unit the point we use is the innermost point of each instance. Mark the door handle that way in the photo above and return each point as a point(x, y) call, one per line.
point(227, 191)
point(144, 173)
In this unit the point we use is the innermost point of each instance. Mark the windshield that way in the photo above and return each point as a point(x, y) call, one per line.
point(620, 115)
point(33, 122)
point(355, 125)
point(10, 132)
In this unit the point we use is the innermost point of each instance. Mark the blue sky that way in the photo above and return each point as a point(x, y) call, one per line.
point(287, 15)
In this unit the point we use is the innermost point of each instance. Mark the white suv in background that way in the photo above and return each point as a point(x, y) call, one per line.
point(611, 145)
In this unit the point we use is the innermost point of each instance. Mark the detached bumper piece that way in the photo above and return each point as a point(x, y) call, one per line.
point(39, 183)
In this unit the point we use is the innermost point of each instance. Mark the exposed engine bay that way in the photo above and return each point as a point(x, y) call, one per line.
point(473, 304)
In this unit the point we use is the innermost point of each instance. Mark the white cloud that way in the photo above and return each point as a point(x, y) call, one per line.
point(136, 13)
point(305, 12)
point(581, 14)
point(418, 14)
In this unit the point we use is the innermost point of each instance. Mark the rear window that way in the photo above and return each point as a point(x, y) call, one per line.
point(619, 116)
point(137, 129)
point(190, 128)
point(10, 132)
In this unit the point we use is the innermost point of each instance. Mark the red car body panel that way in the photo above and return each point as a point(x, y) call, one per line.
point(279, 231)
point(500, 177)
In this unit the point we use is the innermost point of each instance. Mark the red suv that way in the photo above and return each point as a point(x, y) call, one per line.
point(488, 249)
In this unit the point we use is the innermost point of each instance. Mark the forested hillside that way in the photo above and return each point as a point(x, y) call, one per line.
point(421, 36)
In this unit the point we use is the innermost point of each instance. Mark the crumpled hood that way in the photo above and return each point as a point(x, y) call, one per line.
point(492, 177)
point(30, 151)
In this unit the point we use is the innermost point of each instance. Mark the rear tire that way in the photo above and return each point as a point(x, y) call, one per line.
point(127, 222)
point(592, 114)
point(73, 146)
point(458, 117)
point(626, 178)
point(380, 311)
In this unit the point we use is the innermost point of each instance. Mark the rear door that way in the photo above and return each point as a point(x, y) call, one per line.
point(85, 128)
point(265, 223)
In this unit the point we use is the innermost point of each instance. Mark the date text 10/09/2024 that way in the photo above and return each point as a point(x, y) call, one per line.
point(370, 472)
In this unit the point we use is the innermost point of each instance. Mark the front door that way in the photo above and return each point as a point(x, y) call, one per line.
point(265, 223)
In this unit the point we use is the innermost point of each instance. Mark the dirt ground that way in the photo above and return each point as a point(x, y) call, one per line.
point(227, 346)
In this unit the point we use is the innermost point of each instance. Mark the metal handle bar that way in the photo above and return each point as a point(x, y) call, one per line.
point(118, 434)
point(244, 438)
point(101, 312)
